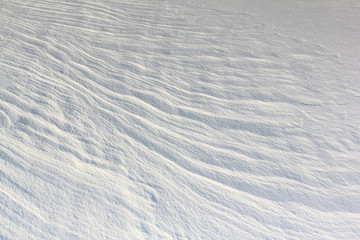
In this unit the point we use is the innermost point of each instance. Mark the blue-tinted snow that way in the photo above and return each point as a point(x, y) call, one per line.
point(179, 120)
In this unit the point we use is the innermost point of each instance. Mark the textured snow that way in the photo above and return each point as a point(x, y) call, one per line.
point(179, 119)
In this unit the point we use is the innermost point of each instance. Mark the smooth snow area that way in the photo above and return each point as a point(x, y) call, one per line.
point(161, 119)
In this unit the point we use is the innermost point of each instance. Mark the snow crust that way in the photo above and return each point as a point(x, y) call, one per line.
point(179, 119)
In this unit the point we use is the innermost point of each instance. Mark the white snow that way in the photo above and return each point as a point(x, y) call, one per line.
point(179, 119)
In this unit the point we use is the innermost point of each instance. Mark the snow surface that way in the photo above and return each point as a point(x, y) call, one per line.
point(152, 119)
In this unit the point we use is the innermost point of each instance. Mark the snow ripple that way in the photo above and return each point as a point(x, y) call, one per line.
point(154, 120)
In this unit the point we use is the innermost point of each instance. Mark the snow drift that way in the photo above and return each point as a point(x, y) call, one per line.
point(179, 120)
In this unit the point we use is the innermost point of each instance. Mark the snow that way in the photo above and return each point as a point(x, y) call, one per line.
point(179, 119)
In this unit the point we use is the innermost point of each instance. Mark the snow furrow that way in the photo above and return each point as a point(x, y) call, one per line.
point(172, 120)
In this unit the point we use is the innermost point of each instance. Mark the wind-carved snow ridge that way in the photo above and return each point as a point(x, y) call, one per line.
point(164, 120)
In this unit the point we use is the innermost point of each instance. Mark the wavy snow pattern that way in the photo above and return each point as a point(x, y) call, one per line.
point(162, 120)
